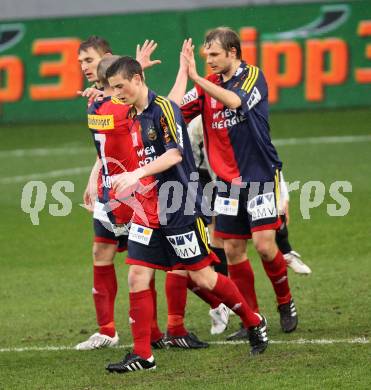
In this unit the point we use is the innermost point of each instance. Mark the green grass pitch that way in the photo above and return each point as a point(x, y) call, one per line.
point(46, 274)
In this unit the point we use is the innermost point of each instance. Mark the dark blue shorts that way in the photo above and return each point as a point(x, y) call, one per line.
point(254, 209)
point(170, 248)
point(103, 234)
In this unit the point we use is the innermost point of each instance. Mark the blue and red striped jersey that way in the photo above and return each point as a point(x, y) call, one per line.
point(237, 141)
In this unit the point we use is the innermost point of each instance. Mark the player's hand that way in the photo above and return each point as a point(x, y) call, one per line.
point(143, 55)
point(189, 57)
point(126, 183)
point(186, 51)
point(89, 199)
point(91, 94)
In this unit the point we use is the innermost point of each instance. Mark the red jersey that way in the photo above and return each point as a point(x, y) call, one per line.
point(110, 126)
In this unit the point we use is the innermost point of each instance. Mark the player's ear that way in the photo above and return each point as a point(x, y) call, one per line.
point(233, 52)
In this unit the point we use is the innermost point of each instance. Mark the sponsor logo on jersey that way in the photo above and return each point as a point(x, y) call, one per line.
point(190, 96)
point(254, 99)
point(262, 206)
point(101, 122)
point(225, 119)
point(140, 234)
point(146, 155)
point(185, 245)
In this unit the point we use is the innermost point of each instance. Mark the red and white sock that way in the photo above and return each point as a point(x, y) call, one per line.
point(229, 294)
point(206, 295)
point(243, 276)
point(104, 294)
point(140, 317)
point(156, 333)
point(176, 295)
point(277, 273)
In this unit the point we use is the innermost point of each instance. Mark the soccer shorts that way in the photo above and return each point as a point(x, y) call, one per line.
point(168, 248)
point(253, 209)
point(107, 232)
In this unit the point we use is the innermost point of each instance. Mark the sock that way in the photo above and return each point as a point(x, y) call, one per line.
point(222, 267)
point(104, 294)
point(176, 295)
point(206, 295)
point(228, 292)
point(156, 333)
point(277, 273)
point(282, 237)
point(243, 276)
point(140, 316)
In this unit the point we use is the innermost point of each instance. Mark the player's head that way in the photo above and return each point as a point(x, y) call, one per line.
point(103, 65)
point(222, 47)
point(91, 52)
point(125, 76)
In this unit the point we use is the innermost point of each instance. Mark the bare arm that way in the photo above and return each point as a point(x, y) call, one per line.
point(180, 86)
point(129, 179)
point(90, 192)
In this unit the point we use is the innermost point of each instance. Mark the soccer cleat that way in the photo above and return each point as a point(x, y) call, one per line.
point(293, 260)
point(132, 362)
point(189, 341)
point(219, 319)
point(288, 316)
point(258, 337)
point(159, 343)
point(241, 334)
point(97, 341)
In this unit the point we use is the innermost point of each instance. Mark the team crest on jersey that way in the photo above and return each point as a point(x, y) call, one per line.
point(152, 134)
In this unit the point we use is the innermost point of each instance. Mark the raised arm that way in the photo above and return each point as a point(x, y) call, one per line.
point(228, 98)
point(180, 86)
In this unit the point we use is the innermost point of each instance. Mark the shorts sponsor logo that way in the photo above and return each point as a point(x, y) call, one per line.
point(140, 234)
point(185, 245)
point(262, 206)
point(226, 206)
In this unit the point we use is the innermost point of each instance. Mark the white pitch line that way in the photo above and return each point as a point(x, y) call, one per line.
point(358, 340)
point(321, 140)
point(43, 152)
point(45, 175)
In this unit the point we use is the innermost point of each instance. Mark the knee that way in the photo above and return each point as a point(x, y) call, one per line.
point(234, 251)
point(138, 279)
point(266, 249)
point(103, 253)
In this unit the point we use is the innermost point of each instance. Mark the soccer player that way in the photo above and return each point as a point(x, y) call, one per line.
point(106, 241)
point(174, 236)
point(233, 102)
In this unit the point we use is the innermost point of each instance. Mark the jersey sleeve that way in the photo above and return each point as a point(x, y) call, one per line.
point(191, 103)
point(172, 125)
point(251, 89)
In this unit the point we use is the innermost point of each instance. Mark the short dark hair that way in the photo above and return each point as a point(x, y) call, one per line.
point(227, 37)
point(103, 65)
point(97, 43)
point(126, 66)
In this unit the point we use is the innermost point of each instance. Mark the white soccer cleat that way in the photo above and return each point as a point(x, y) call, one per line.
point(97, 341)
point(219, 319)
point(293, 260)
